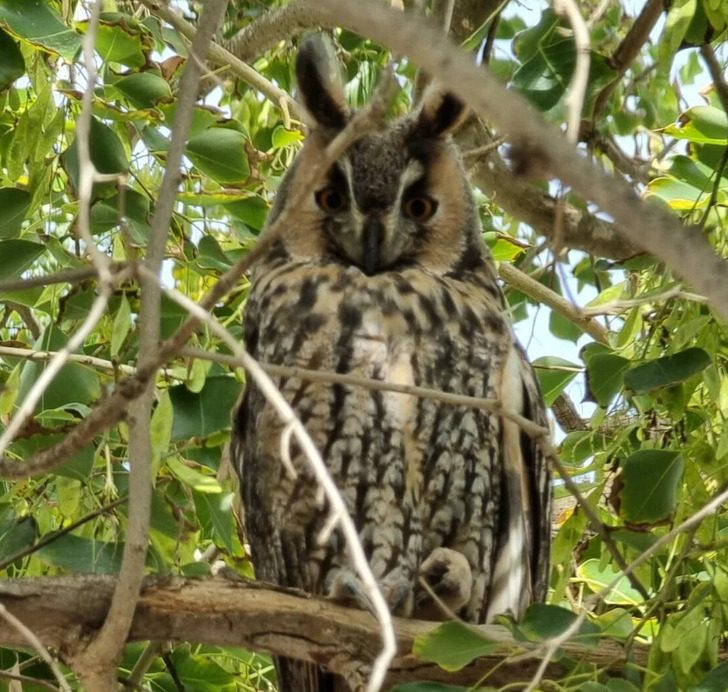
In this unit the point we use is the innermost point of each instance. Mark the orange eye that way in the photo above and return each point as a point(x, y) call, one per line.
point(419, 208)
point(331, 200)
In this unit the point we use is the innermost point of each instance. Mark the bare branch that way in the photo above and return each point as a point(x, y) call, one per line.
point(279, 25)
point(580, 229)
point(96, 662)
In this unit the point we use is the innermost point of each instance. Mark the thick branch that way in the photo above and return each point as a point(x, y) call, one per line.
point(236, 613)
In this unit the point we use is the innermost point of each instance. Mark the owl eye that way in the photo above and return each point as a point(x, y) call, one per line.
point(331, 200)
point(419, 208)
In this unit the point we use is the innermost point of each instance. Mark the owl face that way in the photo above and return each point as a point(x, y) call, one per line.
point(396, 198)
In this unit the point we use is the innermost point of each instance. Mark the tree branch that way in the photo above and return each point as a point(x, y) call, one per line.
point(270, 619)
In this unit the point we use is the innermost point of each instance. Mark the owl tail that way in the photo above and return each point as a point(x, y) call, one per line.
point(296, 676)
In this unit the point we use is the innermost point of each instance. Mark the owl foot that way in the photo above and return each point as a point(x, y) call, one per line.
point(449, 582)
point(343, 585)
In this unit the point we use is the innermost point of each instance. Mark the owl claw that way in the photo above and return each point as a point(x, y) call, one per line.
point(449, 581)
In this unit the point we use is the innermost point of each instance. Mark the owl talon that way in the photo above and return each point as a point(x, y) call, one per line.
point(449, 581)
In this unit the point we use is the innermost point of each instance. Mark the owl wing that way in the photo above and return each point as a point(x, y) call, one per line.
point(521, 571)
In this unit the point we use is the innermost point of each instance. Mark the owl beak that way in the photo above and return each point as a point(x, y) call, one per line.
point(372, 239)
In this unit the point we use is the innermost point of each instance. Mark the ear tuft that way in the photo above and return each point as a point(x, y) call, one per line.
point(441, 113)
point(319, 82)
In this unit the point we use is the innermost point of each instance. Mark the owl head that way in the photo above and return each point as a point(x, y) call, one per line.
point(396, 198)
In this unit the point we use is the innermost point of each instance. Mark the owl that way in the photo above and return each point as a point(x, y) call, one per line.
point(382, 272)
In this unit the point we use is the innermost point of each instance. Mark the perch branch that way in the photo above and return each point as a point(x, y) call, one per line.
point(270, 619)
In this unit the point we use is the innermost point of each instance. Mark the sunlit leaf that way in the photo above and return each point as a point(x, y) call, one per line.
point(35, 22)
point(452, 645)
point(598, 577)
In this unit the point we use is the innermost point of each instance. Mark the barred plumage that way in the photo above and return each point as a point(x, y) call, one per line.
point(384, 275)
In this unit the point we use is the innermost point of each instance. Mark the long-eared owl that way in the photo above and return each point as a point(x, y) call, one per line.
point(382, 273)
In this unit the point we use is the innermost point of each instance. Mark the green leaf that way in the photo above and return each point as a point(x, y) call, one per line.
point(143, 89)
point(213, 511)
point(35, 22)
point(161, 428)
point(121, 39)
point(701, 125)
point(564, 328)
point(106, 151)
point(16, 535)
point(17, 255)
point(79, 554)
point(14, 204)
point(680, 195)
point(553, 375)
point(452, 645)
point(198, 672)
point(650, 479)
point(596, 577)
point(543, 621)
point(667, 370)
point(190, 476)
point(121, 326)
point(74, 383)
point(715, 681)
point(220, 153)
point(605, 377)
point(251, 211)
point(201, 414)
point(12, 64)
point(285, 138)
point(211, 255)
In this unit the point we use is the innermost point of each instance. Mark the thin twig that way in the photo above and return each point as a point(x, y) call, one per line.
point(616, 307)
point(69, 276)
point(574, 100)
point(491, 405)
point(533, 289)
point(82, 359)
point(35, 682)
point(30, 637)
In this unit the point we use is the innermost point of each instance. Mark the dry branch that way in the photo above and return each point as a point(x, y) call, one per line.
point(236, 613)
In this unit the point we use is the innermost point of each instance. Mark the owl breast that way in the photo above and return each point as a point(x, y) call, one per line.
point(415, 473)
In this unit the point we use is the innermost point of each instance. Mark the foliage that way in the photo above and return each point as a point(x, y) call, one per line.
point(653, 445)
